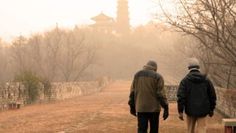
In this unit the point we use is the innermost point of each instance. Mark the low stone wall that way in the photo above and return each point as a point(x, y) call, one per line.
point(63, 91)
point(171, 91)
point(11, 93)
point(226, 99)
point(14, 93)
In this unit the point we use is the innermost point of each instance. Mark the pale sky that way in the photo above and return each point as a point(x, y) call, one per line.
point(24, 17)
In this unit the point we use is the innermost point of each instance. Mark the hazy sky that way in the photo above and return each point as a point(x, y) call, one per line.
point(29, 16)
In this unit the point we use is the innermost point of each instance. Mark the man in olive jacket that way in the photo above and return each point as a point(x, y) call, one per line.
point(147, 95)
point(196, 96)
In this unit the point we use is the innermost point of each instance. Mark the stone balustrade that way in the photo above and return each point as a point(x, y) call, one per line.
point(226, 101)
point(73, 89)
point(171, 91)
point(14, 94)
point(11, 93)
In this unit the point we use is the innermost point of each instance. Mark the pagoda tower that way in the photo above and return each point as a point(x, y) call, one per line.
point(123, 26)
point(103, 23)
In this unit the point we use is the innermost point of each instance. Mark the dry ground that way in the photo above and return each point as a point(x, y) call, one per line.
point(104, 112)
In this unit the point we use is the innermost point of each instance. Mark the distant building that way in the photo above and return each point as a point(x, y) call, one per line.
point(122, 19)
point(106, 24)
point(103, 23)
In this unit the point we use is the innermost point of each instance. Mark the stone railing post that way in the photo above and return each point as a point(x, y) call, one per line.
point(230, 125)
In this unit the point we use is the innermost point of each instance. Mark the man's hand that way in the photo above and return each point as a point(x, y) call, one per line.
point(211, 113)
point(181, 116)
point(165, 114)
point(133, 111)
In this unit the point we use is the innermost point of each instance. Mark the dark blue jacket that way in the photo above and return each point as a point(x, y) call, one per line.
point(196, 95)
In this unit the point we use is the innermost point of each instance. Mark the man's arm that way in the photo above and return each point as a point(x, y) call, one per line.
point(212, 96)
point(181, 99)
point(161, 95)
point(131, 101)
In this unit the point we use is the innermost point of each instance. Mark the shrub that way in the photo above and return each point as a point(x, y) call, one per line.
point(32, 85)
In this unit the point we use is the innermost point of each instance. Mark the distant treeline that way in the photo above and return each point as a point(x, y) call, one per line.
point(83, 53)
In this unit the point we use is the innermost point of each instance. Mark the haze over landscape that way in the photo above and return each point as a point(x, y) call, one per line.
point(66, 66)
point(29, 16)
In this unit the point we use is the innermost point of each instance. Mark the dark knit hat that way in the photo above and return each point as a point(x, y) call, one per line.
point(151, 65)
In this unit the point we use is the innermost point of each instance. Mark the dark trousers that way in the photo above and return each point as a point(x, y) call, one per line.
point(152, 118)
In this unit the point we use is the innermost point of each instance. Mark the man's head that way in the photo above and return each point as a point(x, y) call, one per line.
point(151, 65)
point(193, 64)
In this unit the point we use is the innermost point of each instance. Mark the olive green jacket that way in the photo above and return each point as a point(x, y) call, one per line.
point(147, 92)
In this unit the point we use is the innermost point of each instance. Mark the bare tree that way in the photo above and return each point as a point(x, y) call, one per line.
point(213, 24)
point(76, 55)
point(18, 54)
point(51, 44)
point(36, 54)
point(58, 54)
point(4, 62)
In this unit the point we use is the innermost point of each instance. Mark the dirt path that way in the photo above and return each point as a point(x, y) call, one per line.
point(104, 112)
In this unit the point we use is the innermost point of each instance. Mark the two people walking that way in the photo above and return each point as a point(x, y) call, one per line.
point(196, 97)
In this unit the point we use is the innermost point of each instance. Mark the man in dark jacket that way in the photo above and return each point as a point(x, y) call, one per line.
point(147, 95)
point(196, 96)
